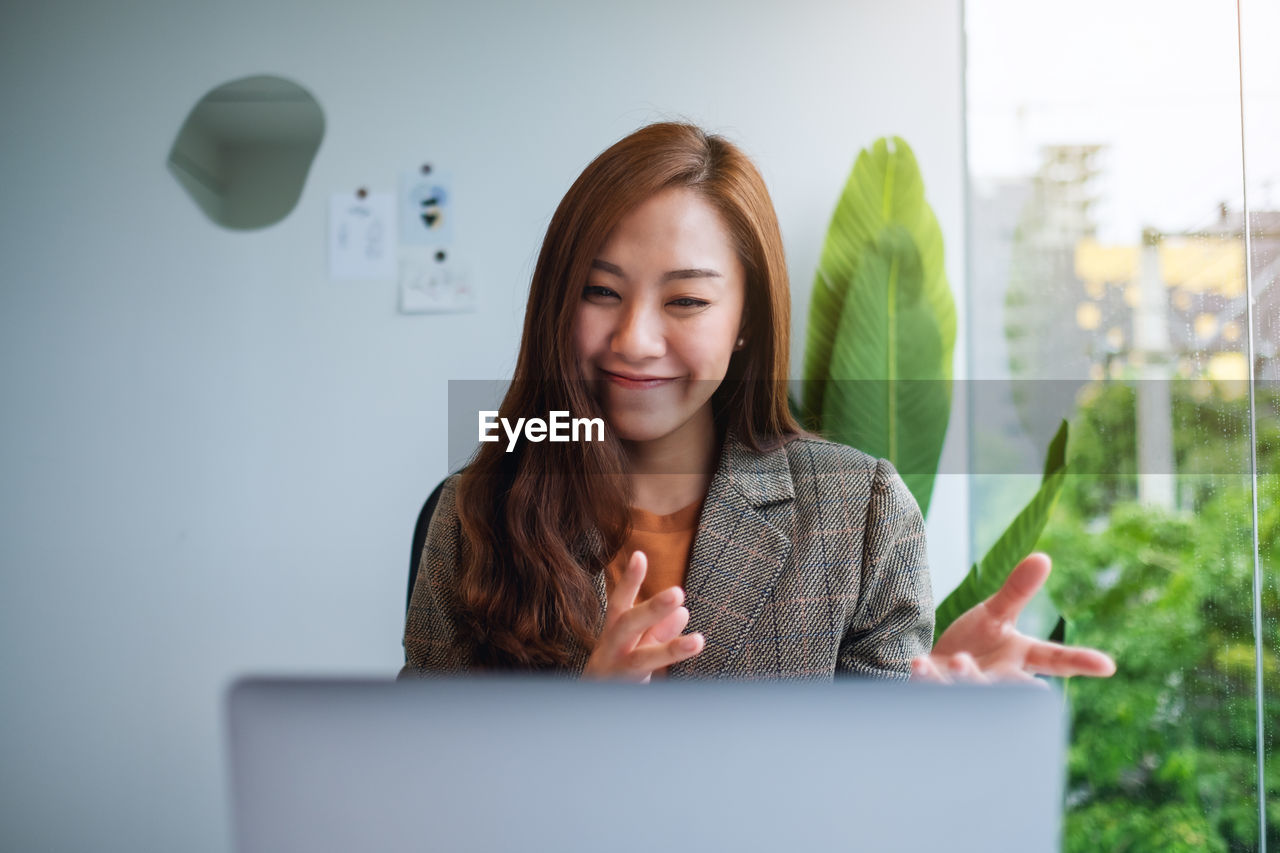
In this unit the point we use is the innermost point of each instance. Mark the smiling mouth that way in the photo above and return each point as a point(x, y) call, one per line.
point(628, 382)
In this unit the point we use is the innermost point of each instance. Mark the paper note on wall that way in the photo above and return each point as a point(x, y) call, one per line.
point(362, 236)
point(426, 209)
point(433, 282)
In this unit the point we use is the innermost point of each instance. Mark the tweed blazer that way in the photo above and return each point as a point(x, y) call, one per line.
point(808, 562)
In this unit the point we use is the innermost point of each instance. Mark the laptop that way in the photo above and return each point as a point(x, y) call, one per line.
point(491, 764)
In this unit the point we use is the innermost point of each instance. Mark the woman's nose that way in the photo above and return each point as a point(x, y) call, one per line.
point(639, 335)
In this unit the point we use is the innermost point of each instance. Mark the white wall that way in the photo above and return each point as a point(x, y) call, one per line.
point(213, 455)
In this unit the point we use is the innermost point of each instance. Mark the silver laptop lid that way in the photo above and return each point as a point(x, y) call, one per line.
point(519, 764)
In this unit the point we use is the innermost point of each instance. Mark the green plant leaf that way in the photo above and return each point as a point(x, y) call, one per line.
point(1056, 457)
point(886, 393)
point(986, 576)
point(884, 188)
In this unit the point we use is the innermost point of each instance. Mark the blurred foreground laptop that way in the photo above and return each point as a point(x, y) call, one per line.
point(498, 764)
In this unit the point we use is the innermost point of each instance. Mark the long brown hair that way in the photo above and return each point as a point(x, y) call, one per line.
point(540, 523)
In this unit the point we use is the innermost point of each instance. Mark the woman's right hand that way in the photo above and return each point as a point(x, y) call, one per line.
point(638, 639)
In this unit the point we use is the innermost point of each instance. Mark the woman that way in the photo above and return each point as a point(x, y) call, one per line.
point(707, 534)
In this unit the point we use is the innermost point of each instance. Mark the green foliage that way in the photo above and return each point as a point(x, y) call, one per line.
point(1175, 828)
point(889, 396)
point(878, 354)
point(1163, 754)
point(882, 323)
point(1104, 449)
point(986, 576)
point(1211, 435)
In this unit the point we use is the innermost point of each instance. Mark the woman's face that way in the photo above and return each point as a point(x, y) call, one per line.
point(662, 304)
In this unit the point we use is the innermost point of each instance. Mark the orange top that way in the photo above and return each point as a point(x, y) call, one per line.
point(666, 541)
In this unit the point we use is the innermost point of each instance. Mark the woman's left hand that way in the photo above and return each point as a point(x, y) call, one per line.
point(984, 644)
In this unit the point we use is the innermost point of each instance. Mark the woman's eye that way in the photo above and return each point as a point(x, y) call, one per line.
point(688, 302)
point(597, 290)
